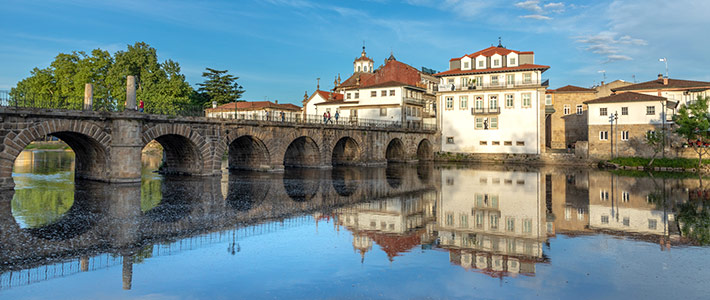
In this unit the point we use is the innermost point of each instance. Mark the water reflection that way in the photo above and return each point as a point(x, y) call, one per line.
point(493, 221)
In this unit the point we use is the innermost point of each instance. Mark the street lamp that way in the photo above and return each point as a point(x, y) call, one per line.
point(665, 61)
point(612, 118)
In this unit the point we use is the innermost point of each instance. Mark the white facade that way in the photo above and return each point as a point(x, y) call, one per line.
point(492, 104)
point(627, 113)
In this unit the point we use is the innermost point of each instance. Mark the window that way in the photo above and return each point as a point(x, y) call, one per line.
point(483, 143)
point(627, 221)
point(348, 95)
point(494, 79)
point(605, 219)
point(512, 61)
point(625, 196)
point(479, 80)
point(449, 181)
point(510, 224)
point(479, 102)
point(391, 92)
point(449, 219)
point(510, 79)
point(449, 139)
point(496, 143)
point(353, 113)
point(527, 226)
point(358, 68)
point(357, 95)
point(527, 100)
point(580, 110)
point(566, 109)
point(463, 220)
point(603, 195)
point(650, 110)
point(624, 111)
point(520, 143)
point(496, 62)
point(494, 222)
point(652, 224)
point(365, 68)
point(481, 63)
point(383, 93)
point(624, 135)
point(449, 103)
point(373, 94)
point(463, 102)
point(465, 65)
point(383, 111)
point(527, 77)
point(479, 122)
point(493, 102)
point(602, 111)
point(548, 99)
point(494, 123)
point(603, 135)
point(508, 143)
point(509, 101)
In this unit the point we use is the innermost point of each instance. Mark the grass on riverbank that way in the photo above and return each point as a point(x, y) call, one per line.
point(685, 163)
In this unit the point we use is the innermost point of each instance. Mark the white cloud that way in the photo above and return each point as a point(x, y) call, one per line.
point(606, 44)
point(531, 5)
point(536, 17)
point(555, 7)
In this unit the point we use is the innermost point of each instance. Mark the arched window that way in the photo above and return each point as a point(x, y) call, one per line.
point(358, 68)
point(365, 68)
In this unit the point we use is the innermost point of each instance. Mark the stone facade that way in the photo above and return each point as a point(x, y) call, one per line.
point(569, 121)
point(108, 145)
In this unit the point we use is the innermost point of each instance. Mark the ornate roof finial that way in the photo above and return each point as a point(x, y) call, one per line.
point(318, 84)
point(339, 80)
point(500, 45)
point(363, 49)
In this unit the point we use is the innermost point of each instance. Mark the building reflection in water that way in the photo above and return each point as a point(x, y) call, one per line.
point(490, 220)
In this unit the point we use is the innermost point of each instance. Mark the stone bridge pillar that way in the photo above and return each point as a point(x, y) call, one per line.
point(124, 213)
point(126, 146)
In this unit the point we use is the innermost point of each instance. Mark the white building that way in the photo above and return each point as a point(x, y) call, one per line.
point(492, 101)
point(394, 93)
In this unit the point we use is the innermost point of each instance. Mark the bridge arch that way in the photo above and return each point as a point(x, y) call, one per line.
point(185, 151)
point(302, 152)
point(248, 152)
point(425, 150)
point(346, 152)
point(90, 143)
point(395, 151)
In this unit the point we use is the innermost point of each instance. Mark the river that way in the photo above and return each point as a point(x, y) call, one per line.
point(423, 231)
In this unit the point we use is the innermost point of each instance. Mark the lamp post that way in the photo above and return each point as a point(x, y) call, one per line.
point(663, 128)
point(612, 118)
point(665, 61)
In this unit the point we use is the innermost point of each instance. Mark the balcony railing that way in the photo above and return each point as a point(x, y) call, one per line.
point(492, 86)
point(414, 100)
point(485, 110)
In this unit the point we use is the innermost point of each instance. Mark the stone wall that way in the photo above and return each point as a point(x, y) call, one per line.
point(570, 128)
point(635, 146)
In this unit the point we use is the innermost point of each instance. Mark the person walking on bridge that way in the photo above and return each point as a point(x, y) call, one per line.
point(337, 115)
point(140, 106)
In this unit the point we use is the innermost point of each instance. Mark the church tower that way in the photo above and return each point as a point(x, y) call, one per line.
point(363, 64)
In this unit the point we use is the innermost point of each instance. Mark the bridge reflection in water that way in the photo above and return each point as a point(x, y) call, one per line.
point(490, 220)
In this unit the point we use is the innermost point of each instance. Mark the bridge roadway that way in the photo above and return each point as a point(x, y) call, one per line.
point(107, 218)
point(108, 144)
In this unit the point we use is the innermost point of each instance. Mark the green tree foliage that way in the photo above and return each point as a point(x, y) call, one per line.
point(695, 222)
point(655, 140)
point(161, 86)
point(218, 86)
point(693, 123)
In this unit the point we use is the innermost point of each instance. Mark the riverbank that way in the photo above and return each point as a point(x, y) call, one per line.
point(560, 159)
point(659, 164)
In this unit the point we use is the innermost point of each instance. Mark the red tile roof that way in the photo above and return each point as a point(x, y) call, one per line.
point(572, 88)
point(326, 95)
point(626, 97)
point(493, 70)
point(254, 105)
point(393, 70)
point(490, 51)
point(658, 85)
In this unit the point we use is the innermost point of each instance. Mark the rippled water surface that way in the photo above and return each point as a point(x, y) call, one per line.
point(395, 232)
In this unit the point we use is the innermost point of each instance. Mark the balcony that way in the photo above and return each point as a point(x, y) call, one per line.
point(494, 86)
point(485, 110)
point(411, 100)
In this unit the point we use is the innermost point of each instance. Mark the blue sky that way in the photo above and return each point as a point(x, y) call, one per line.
point(279, 47)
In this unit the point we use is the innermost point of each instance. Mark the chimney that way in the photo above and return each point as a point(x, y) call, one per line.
point(665, 80)
point(276, 101)
point(602, 83)
point(660, 76)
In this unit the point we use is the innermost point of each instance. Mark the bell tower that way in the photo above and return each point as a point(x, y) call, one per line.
point(363, 64)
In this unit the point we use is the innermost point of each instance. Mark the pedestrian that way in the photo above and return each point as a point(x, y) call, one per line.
point(329, 120)
point(140, 106)
point(267, 115)
point(283, 117)
point(325, 118)
point(337, 115)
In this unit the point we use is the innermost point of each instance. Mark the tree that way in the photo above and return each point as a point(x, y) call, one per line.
point(161, 86)
point(693, 123)
point(655, 140)
point(218, 86)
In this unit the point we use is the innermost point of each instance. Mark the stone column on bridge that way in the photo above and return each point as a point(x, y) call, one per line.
point(88, 96)
point(130, 92)
point(126, 146)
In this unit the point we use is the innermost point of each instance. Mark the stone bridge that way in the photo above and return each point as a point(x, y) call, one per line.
point(108, 217)
point(108, 144)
